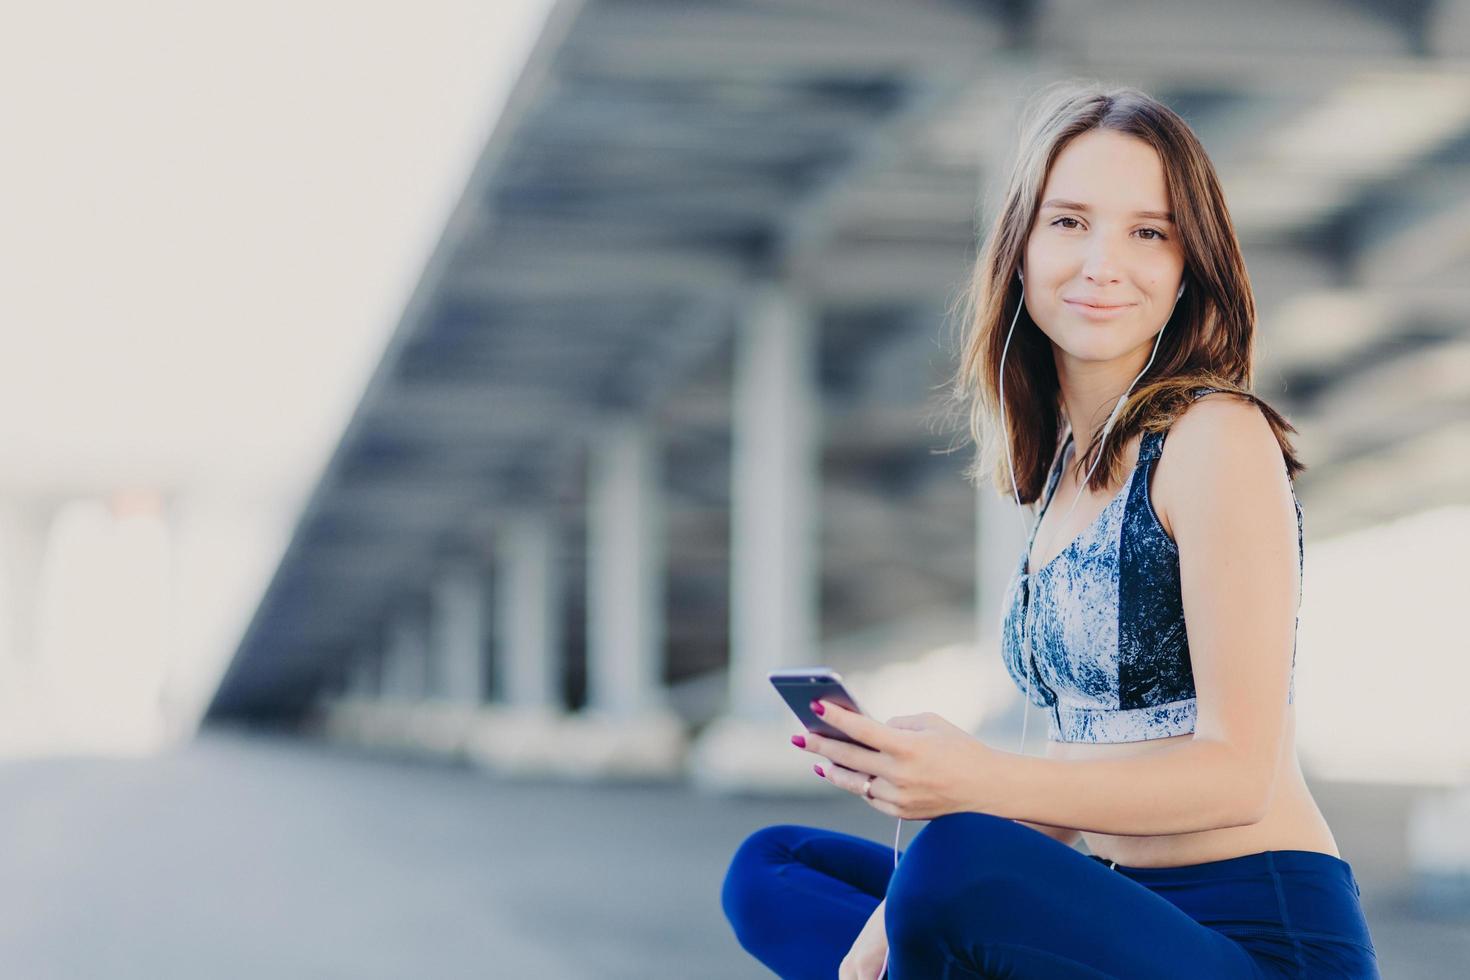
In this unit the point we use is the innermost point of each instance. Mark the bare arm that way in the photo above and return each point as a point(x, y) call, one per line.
point(1181, 789)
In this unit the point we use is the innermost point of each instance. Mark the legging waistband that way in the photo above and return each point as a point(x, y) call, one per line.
point(1243, 866)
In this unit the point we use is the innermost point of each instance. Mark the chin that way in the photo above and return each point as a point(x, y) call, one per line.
point(1101, 345)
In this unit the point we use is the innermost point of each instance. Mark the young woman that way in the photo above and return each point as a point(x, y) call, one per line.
point(1154, 617)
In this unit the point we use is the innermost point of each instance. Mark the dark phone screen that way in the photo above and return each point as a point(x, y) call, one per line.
point(800, 692)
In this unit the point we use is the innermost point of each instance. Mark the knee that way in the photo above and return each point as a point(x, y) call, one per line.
point(963, 844)
point(746, 890)
point(957, 867)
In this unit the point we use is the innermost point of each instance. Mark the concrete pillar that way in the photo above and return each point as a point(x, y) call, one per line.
point(25, 528)
point(406, 655)
point(625, 574)
point(363, 680)
point(1439, 851)
point(457, 635)
point(528, 614)
point(774, 575)
point(521, 729)
point(334, 681)
point(774, 560)
point(25, 531)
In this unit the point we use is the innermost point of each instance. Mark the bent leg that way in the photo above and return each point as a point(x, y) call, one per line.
point(798, 896)
point(978, 895)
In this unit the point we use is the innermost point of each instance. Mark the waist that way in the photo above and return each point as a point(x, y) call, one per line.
point(1304, 892)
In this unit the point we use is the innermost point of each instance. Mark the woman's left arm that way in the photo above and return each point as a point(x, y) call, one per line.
point(1234, 522)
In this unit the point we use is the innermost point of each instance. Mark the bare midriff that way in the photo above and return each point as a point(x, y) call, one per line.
point(1292, 821)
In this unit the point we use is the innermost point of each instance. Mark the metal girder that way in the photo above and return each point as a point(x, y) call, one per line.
point(480, 413)
point(695, 40)
point(526, 267)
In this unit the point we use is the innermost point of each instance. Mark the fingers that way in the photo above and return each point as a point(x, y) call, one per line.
point(846, 754)
point(853, 781)
point(849, 779)
point(859, 726)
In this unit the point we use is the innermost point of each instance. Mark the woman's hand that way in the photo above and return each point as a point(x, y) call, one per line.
point(869, 953)
point(922, 766)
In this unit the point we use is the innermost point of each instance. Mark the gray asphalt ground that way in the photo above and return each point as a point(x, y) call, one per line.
point(264, 856)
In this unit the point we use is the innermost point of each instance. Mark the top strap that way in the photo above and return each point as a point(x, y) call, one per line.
point(1150, 448)
point(1152, 444)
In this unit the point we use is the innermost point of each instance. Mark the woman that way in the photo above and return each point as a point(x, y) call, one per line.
point(1155, 618)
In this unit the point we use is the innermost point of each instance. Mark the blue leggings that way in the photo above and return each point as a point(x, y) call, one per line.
point(976, 895)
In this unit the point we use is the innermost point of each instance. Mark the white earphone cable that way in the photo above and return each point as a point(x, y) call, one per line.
point(1016, 492)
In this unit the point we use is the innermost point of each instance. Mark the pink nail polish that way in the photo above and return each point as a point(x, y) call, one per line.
point(798, 741)
point(820, 772)
point(817, 707)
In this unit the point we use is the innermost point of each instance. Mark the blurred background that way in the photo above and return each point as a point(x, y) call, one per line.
point(423, 426)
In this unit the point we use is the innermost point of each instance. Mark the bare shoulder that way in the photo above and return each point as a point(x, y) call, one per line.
point(1221, 439)
point(1227, 424)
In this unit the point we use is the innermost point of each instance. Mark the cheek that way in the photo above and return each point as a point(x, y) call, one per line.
point(1039, 256)
point(1168, 269)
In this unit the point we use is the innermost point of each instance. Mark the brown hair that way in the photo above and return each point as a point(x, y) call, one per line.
point(1210, 339)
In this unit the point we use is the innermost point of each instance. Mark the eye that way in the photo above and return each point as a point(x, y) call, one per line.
point(1158, 236)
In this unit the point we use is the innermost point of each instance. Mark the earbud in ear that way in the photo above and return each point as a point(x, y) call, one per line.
point(1020, 275)
point(1181, 291)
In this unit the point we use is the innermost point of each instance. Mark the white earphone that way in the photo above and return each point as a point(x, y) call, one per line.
point(1027, 660)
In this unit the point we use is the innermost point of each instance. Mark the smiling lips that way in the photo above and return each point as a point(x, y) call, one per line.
point(1097, 312)
point(1097, 305)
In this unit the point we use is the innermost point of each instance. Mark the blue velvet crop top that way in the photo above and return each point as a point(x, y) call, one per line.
point(1110, 656)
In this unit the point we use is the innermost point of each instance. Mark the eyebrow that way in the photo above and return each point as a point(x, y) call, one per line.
point(1057, 202)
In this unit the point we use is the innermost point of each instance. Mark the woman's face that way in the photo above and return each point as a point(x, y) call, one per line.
point(1091, 244)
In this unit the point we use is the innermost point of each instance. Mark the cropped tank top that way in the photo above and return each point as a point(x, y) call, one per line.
point(1109, 652)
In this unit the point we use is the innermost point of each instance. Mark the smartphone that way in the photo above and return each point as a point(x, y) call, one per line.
point(800, 686)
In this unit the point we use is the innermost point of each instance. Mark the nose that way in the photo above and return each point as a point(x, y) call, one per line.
point(1098, 265)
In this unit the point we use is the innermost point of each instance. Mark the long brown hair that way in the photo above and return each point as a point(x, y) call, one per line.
point(1209, 340)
